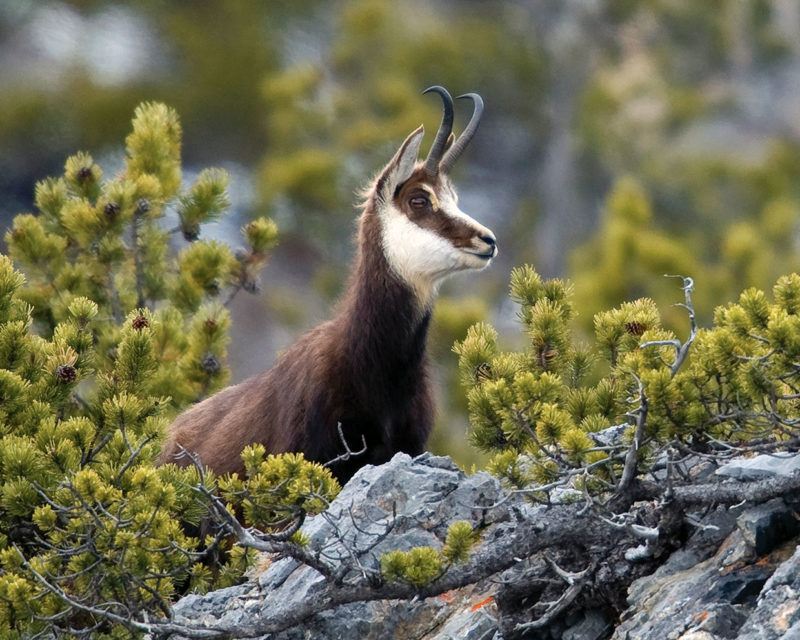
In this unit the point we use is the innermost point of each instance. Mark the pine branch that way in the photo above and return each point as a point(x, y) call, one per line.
point(142, 207)
point(348, 452)
point(258, 541)
point(632, 458)
point(730, 492)
point(556, 527)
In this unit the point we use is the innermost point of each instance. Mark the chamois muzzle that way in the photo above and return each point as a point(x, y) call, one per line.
point(484, 245)
point(490, 241)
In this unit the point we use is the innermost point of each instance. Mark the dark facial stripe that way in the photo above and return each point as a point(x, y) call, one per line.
point(459, 232)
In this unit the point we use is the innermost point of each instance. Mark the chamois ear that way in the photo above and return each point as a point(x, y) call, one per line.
point(401, 166)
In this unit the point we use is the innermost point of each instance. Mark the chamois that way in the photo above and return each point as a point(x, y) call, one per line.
point(365, 369)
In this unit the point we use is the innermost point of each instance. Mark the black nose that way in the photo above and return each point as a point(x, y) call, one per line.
point(490, 240)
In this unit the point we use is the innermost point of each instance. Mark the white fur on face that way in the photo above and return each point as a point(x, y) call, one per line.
point(448, 203)
point(423, 258)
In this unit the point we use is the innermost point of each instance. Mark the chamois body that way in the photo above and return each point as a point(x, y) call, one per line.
point(366, 368)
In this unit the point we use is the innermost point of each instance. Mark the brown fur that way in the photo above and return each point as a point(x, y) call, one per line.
point(365, 369)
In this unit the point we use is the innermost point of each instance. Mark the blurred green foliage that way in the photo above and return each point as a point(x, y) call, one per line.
point(677, 104)
point(332, 122)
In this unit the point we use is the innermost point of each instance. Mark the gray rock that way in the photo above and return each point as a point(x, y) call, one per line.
point(593, 625)
point(723, 620)
point(777, 612)
point(399, 505)
point(468, 625)
point(761, 466)
point(610, 436)
point(719, 585)
point(706, 600)
point(767, 525)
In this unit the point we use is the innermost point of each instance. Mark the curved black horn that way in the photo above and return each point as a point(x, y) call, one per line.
point(437, 148)
point(463, 140)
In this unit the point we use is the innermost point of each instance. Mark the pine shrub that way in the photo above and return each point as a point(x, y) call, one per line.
point(564, 414)
point(107, 335)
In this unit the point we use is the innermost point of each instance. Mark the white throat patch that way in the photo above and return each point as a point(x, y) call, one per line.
point(421, 257)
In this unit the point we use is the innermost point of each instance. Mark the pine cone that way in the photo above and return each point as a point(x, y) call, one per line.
point(84, 175)
point(66, 373)
point(546, 355)
point(210, 363)
point(143, 206)
point(634, 327)
point(139, 323)
point(111, 210)
point(190, 232)
point(483, 372)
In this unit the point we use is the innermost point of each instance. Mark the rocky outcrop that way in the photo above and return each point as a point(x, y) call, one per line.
point(762, 466)
point(747, 587)
point(399, 505)
point(737, 575)
point(691, 597)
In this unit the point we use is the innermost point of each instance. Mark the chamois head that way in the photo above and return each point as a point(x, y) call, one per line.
point(425, 235)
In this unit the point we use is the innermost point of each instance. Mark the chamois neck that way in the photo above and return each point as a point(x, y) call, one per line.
point(384, 312)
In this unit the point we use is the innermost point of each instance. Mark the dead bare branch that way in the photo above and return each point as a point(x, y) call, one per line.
point(575, 582)
point(681, 349)
point(348, 452)
point(632, 458)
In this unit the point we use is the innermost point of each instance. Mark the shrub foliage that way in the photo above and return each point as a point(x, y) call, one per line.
point(106, 336)
point(563, 414)
point(120, 321)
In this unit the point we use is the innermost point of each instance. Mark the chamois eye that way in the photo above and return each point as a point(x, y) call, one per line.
point(418, 202)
